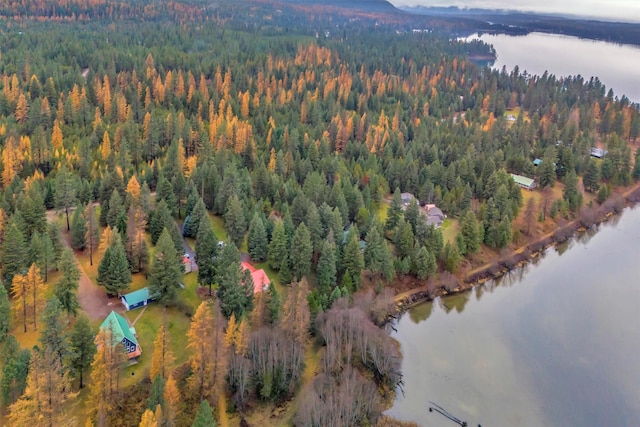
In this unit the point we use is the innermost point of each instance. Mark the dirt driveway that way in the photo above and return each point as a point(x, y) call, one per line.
point(93, 298)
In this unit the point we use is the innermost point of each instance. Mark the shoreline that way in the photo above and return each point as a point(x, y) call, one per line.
point(404, 301)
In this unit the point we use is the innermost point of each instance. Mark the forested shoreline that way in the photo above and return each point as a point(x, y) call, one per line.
point(131, 133)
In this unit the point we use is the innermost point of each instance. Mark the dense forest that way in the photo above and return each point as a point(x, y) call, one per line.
point(270, 135)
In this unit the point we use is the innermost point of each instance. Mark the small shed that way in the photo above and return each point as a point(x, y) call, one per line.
point(136, 299)
point(537, 162)
point(121, 332)
point(524, 182)
point(186, 261)
point(598, 152)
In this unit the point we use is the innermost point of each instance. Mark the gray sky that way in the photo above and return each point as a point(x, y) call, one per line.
point(623, 10)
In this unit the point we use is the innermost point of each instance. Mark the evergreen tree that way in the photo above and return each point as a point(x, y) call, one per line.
point(394, 213)
point(204, 416)
point(327, 271)
point(301, 252)
point(285, 274)
point(117, 216)
point(451, 257)
point(352, 258)
point(412, 214)
point(234, 294)
point(571, 194)
point(15, 367)
point(14, 252)
point(78, 230)
point(113, 272)
point(65, 194)
point(471, 231)
point(192, 221)
point(166, 271)
point(206, 254)
point(257, 239)
point(33, 212)
point(403, 239)
point(66, 288)
point(164, 192)
point(5, 314)
point(273, 305)
point(377, 256)
point(278, 246)
point(425, 264)
point(53, 336)
point(160, 220)
point(234, 220)
point(82, 347)
point(156, 395)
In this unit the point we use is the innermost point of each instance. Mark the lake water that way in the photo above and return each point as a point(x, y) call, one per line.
point(554, 344)
point(617, 66)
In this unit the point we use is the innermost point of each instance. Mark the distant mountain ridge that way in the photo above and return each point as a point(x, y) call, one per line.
point(366, 5)
point(520, 23)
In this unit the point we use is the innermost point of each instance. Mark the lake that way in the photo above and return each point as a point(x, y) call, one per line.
point(555, 343)
point(617, 66)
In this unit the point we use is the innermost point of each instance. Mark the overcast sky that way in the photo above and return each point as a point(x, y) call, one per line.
point(624, 10)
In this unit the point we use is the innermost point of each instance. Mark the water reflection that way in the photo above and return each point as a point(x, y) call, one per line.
point(421, 312)
point(554, 343)
point(536, 53)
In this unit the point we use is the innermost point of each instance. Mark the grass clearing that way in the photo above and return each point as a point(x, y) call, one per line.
point(450, 229)
point(146, 328)
point(217, 223)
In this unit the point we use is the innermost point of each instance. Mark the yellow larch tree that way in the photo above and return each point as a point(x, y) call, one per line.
point(172, 402)
point(105, 374)
point(200, 347)
point(28, 293)
point(48, 389)
point(105, 147)
point(22, 109)
point(148, 419)
point(56, 137)
point(133, 191)
point(162, 358)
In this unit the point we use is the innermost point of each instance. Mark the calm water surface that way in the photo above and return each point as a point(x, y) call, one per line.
point(617, 66)
point(554, 344)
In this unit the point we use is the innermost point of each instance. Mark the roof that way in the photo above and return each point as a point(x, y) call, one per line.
point(434, 211)
point(137, 297)
point(407, 197)
point(522, 180)
point(598, 152)
point(258, 276)
point(537, 162)
point(119, 327)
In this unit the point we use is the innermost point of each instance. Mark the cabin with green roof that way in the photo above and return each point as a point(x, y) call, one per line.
point(524, 182)
point(136, 299)
point(122, 333)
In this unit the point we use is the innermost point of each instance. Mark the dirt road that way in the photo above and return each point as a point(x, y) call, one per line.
point(92, 298)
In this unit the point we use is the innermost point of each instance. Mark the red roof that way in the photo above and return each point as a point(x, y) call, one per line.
point(260, 280)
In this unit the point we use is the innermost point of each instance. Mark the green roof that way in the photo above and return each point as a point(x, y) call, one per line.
point(119, 327)
point(522, 180)
point(137, 297)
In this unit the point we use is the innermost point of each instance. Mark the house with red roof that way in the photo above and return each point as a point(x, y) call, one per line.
point(260, 280)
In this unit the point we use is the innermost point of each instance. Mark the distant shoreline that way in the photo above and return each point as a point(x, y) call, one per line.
point(496, 268)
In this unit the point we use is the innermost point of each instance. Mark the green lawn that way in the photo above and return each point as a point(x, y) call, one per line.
point(217, 223)
point(146, 328)
point(450, 229)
